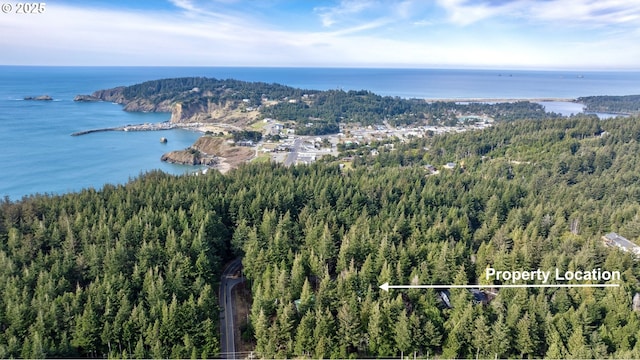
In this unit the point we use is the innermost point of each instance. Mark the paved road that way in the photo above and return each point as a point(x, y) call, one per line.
point(293, 155)
point(229, 279)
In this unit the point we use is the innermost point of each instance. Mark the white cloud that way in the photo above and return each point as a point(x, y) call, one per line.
point(345, 10)
point(594, 12)
point(125, 37)
point(463, 13)
point(360, 27)
point(184, 5)
point(201, 36)
point(423, 22)
point(561, 12)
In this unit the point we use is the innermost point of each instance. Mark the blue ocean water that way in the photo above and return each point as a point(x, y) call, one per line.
point(39, 155)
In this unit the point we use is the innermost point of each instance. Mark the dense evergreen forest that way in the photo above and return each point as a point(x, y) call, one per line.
point(332, 107)
point(181, 89)
point(628, 104)
point(132, 270)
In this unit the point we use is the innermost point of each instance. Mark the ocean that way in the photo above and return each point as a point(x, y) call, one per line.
point(39, 155)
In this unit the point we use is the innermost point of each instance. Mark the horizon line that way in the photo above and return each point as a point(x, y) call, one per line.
point(398, 67)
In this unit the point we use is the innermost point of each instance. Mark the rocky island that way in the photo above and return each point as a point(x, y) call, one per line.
point(39, 98)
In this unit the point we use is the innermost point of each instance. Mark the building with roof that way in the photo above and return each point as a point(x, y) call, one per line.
point(614, 240)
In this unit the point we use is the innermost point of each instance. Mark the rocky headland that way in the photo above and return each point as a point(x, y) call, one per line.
point(117, 95)
point(210, 151)
point(189, 100)
point(189, 156)
point(86, 98)
point(234, 105)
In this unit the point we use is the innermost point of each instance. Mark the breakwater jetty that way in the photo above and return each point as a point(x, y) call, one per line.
point(140, 127)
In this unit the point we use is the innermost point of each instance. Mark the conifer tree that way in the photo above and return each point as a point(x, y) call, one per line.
point(501, 339)
point(304, 342)
point(482, 336)
point(402, 333)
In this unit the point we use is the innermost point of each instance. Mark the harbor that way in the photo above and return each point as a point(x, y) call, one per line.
point(141, 127)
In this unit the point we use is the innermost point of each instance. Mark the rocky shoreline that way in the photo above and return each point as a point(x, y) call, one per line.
point(116, 95)
point(211, 151)
point(189, 156)
point(183, 107)
point(86, 98)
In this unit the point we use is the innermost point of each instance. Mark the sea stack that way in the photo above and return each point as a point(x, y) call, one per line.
point(39, 98)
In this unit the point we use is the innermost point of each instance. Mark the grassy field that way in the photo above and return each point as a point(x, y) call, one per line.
point(262, 158)
point(257, 126)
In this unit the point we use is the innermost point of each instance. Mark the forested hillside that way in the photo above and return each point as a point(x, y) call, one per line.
point(126, 271)
point(628, 104)
point(314, 112)
point(133, 270)
point(366, 108)
point(510, 202)
point(180, 89)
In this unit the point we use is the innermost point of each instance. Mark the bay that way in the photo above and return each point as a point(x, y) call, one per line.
point(39, 155)
point(564, 108)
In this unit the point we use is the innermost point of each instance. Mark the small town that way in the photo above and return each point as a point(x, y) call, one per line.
point(280, 144)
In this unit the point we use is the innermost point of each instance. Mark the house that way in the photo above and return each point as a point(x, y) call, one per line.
point(431, 169)
point(614, 240)
point(478, 297)
point(245, 143)
point(275, 129)
point(444, 296)
point(450, 165)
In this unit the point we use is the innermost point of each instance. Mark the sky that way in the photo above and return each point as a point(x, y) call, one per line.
point(482, 34)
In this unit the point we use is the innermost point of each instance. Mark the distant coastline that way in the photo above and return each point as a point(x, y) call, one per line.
point(500, 100)
point(74, 163)
point(198, 102)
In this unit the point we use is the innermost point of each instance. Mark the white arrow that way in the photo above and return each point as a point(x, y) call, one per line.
point(386, 286)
